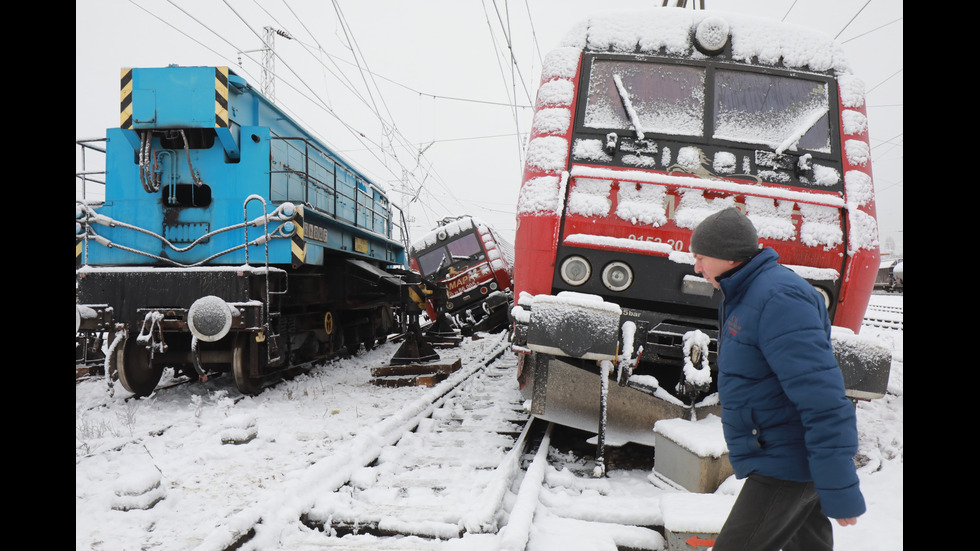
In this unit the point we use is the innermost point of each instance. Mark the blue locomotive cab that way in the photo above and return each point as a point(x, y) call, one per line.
point(212, 193)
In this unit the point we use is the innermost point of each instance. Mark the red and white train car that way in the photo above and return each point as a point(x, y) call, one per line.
point(645, 124)
point(477, 267)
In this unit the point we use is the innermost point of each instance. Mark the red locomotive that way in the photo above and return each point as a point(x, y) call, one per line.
point(476, 266)
point(643, 127)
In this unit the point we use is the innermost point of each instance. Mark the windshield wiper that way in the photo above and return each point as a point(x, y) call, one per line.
point(629, 106)
point(797, 134)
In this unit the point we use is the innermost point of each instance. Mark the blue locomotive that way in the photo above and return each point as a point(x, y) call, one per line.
point(230, 239)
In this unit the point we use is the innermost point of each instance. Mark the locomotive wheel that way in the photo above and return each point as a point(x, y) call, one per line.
point(242, 355)
point(133, 365)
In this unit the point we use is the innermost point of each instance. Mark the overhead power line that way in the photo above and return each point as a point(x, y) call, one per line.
point(852, 19)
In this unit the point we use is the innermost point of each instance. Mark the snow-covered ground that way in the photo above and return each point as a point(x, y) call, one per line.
point(177, 451)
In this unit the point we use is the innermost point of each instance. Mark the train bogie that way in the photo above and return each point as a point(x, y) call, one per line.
point(230, 239)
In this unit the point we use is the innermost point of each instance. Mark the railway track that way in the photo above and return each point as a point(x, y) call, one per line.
point(885, 317)
point(392, 480)
point(565, 502)
point(444, 478)
point(471, 474)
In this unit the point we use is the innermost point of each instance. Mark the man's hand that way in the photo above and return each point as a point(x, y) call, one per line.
point(847, 521)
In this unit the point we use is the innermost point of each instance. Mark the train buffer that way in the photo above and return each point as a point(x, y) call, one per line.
point(414, 374)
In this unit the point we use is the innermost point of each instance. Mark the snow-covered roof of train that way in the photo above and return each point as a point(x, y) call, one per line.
point(450, 229)
point(500, 252)
point(765, 41)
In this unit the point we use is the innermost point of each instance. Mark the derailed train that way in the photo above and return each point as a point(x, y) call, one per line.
point(475, 264)
point(230, 239)
point(643, 127)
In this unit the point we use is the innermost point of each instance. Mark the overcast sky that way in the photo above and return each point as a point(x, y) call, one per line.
point(419, 94)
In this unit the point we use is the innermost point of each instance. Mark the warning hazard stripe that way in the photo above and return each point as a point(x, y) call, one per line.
point(298, 240)
point(416, 296)
point(126, 99)
point(221, 97)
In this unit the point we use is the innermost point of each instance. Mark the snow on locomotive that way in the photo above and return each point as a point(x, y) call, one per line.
point(645, 124)
point(230, 239)
point(476, 266)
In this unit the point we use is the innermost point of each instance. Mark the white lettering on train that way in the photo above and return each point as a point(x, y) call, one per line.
point(316, 233)
point(675, 244)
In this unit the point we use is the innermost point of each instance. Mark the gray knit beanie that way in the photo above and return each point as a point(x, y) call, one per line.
point(726, 235)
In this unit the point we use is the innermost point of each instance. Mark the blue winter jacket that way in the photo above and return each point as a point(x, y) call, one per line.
point(784, 412)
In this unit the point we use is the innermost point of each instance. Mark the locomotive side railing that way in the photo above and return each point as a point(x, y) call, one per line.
point(84, 176)
point(327, 186)
point(399, 230)
point(88, 218)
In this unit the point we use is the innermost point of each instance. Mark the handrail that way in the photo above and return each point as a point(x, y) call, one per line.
point(88, 218)
point(268, 290)
point(368, 204)
point(84, 174)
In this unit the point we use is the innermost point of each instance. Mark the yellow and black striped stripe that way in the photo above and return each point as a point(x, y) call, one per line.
point(298, 240)
point(221, 97)
point(417, 294)
point(126, 99)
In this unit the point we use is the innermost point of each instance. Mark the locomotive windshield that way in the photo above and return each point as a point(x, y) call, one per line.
point(666, 99)
point(780, 112)
point(461, 247)
point(772, 110)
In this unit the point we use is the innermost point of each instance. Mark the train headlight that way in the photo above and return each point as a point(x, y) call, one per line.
point(209, 318)
point(617, 276)
point(575, 270)
point(826, 296)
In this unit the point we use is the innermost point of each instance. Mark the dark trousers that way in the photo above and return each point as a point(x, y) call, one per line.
point(771, 514)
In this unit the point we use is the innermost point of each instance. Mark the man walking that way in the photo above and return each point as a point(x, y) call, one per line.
point(789, 427)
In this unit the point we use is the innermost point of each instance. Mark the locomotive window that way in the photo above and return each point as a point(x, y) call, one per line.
point(461, 248)
point(465, 246)
point(665, 99)
point(771, 110)
point(432, 261)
